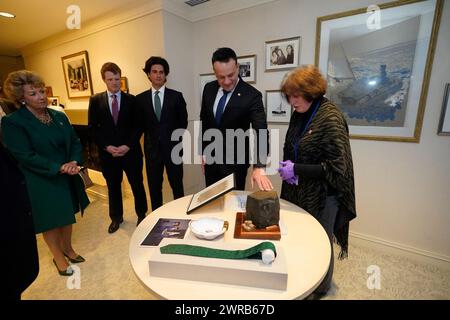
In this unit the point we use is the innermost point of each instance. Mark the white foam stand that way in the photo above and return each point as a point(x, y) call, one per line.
point(242, 272)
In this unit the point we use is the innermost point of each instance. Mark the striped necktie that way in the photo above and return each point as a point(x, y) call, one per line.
point(115, 109)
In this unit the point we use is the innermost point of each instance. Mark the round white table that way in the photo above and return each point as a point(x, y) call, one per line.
point(305, 244)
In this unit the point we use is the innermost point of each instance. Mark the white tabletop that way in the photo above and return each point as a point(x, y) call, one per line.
point(306, 245)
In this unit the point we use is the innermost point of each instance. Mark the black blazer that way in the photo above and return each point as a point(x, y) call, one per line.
point(157, 134)
point(103, 130)
point(245, 107)
point(18, 240)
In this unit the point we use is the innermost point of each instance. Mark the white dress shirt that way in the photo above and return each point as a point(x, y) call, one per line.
point(219, 95)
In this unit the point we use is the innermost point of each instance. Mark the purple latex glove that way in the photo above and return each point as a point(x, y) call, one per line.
point(293, 180)
point(286, 170)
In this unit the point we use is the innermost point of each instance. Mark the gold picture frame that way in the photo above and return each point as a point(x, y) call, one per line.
point(282, 54)
point(377, 62)
point(124, 84)
point(211, 193)
point(77, 75)
point(444, 121)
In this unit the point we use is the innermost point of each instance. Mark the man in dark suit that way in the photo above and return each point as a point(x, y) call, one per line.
point(162, 110)
point(113, 124)
point(231, 104)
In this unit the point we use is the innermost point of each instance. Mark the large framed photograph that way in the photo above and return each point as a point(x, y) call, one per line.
point(378, 62)
point(77, 75)
point(211, 193)
point(247, 68)
point(444, 122)
point(278, 109)
point(283, 54)
point(204, 79)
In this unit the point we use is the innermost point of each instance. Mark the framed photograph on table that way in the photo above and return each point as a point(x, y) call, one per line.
point(247, 68)
point(444, 122)
point(53, 101)
point(77, 75)
point(211, 193)
point(124, 84)
point(278, 109)
point(283, 54)
point(377, 62)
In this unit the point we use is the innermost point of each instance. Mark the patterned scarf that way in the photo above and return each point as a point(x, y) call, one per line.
point(325, 142)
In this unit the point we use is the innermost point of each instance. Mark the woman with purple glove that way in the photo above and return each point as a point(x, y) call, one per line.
point(317, 170)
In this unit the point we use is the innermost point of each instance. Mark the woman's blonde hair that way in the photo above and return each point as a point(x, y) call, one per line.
point(13, 85)
point(305, 81)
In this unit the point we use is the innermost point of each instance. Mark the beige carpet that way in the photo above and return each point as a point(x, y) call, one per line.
point(107, 273)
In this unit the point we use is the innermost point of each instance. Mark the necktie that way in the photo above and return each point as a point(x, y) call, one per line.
point(157, 105)
point(255, 252)
point(220, 106)
point(115, 108)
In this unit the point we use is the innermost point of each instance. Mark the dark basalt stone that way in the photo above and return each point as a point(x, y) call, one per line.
point(263, 208)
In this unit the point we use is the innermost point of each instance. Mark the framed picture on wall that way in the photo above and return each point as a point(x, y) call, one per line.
point(377, 62)
point(247, 68)
point(278, 110)
point(444, 122)
point(283, 54)
point(124, 84)
point(49, 91)
point(77, 75)
point(204, 79)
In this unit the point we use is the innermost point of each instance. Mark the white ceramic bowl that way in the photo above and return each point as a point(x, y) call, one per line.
point(208, 228)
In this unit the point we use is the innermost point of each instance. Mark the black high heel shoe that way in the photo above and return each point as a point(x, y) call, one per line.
point(67, 272)
point(78, 259)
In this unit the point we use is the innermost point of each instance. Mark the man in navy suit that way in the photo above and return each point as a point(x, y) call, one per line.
point(113, 124)
point(230, 104)
point(162, 111)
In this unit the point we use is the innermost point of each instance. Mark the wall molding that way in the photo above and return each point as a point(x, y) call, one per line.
point(97, 25)
point(417, 254)
point(118, 17)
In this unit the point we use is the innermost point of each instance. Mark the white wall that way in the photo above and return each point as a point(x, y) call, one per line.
point(126, 41)
point(9, 64)
point(128, 44)
point(178, 35)
point(402, 189)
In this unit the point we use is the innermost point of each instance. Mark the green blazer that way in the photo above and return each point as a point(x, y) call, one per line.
point(40, 151)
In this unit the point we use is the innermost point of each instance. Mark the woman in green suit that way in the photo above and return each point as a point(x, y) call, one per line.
point(49, 154)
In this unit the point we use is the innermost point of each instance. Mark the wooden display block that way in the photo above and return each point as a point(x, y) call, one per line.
point(241, 272)
point(240, 233)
